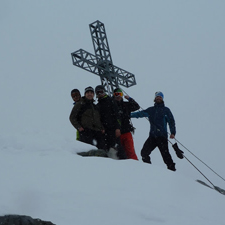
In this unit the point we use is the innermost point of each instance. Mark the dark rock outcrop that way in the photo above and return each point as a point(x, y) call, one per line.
point(22, 220)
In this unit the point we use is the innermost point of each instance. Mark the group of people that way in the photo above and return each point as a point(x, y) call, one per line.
point(107, 124)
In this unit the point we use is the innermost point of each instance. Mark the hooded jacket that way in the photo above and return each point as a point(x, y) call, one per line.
point(159, 116)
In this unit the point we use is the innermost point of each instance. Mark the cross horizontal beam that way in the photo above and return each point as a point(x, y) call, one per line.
point(104, 69)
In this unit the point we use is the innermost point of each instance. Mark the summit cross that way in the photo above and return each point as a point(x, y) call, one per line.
point(101, 63)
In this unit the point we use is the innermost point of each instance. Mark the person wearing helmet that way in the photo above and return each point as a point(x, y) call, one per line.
point(159, 116)
point(125, 108)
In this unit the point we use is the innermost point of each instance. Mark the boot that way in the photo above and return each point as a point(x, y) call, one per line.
point(171, 167)
point(146, 160)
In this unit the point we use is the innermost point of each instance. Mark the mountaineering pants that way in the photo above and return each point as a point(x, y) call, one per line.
point(162, 143)
point(128, 145)
point(92, 137)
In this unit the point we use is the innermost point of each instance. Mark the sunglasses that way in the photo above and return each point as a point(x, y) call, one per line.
point(118, 94)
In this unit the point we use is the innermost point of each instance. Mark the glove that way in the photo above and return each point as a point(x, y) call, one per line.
point(179, 153)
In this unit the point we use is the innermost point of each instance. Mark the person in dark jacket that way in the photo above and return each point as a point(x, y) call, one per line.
point(110, 120)
point(125, 109)
point(76, 96)
point(159, 116)
point(85, 117)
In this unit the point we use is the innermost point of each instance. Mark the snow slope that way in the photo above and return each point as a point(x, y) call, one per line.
point(176, 47)
point(55, 184)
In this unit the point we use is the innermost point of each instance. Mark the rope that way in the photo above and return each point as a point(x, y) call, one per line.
point(194, 166)
point(199, 171)
point(200, 160)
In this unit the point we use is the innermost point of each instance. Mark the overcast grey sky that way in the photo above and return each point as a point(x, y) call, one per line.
point(176, 47)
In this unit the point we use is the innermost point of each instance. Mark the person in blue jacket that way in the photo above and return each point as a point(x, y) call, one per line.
point(159, 116)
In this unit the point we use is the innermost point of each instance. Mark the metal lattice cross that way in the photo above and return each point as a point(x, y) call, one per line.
point(101, 63)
